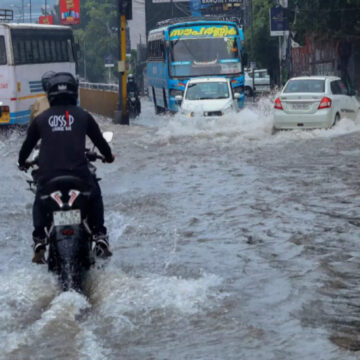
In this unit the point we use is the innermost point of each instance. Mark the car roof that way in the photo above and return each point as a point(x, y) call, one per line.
point(208, 79)
point(315, 77)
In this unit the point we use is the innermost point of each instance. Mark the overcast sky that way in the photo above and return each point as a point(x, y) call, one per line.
point(137, 25)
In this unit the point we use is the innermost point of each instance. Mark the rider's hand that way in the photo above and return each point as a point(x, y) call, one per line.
point(109, 160)
point(23, 167)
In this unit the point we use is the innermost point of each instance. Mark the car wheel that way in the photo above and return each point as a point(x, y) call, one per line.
point(336, 120)
point(248, 91)
point(274, 130)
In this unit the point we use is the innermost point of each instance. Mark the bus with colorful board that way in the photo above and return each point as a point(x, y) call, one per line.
point(185, 48)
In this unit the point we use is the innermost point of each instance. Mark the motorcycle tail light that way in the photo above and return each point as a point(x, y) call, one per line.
point(73, 195)
point(68, 232)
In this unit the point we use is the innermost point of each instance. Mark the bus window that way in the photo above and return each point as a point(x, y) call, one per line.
point(35, 51)
point(71, 56)
point(28, 52)
point(53, 50)
point(47, 51)
point(41, 51)
point(2, 51)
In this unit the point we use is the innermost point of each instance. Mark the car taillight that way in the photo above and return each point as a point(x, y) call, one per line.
point(278, 104)
point(325, 103)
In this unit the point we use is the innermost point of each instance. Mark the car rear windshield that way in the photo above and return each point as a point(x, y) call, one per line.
point(305, 86)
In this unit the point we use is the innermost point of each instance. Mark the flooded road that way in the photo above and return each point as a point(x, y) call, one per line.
point(229, 243)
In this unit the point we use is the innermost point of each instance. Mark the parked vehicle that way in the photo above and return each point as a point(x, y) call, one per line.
point(261, 82)
point(314, 102)
point(65, 198)
point(209, 96)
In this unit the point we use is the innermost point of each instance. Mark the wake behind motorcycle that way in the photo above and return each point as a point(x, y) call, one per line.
point(69, 237)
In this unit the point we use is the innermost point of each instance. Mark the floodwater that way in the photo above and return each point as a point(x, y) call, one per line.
point(229, 243)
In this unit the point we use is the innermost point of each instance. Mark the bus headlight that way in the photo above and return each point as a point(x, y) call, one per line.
point(239, 90)
point(175, 92)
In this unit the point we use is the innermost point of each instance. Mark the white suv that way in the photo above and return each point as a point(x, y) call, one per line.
point(208, 96)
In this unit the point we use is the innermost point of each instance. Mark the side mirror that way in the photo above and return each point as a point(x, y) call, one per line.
point(108, 136)
point(178, 99)
point(237, 95)
point(244, 59)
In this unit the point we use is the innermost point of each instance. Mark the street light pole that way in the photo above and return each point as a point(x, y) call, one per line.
point(30, 13)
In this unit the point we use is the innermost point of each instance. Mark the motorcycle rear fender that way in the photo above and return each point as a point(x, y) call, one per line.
point(71, 244)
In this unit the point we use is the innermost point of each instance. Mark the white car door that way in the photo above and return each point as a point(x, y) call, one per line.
point(348, 105)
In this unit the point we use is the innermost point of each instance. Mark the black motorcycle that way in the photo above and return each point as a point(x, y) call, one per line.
point(133, 105)
point(65, 198)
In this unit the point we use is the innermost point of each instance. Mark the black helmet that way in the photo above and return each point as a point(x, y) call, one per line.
point(62, 87)
point(45, 79)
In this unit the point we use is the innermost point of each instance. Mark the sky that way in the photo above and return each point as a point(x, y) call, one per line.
point(137, 25)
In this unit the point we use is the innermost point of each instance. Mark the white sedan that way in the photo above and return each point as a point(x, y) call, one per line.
point(311, 102)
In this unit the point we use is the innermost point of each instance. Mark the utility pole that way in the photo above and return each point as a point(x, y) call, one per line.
point(121, 115)
point(30, 13)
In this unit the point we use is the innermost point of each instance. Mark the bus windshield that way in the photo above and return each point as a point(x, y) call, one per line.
point(204, 55)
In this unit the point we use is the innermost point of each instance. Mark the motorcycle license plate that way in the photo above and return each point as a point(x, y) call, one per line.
point(70, 217)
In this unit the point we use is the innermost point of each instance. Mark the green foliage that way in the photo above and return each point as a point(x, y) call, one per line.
point(98, 38)
point(262, 48)
point(335, 18)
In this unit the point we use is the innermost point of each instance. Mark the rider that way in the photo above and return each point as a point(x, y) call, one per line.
point(132, 87)
point(62, 129)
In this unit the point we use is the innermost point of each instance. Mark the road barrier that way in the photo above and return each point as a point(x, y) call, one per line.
point(101, 99)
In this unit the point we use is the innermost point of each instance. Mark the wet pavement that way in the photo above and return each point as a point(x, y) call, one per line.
point(229, 243)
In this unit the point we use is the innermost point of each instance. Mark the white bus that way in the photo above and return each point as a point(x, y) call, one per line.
point(27, 51)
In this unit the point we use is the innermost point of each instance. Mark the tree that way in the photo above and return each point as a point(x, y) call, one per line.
point(262, 48)
point(336, 19)
point(98, 37)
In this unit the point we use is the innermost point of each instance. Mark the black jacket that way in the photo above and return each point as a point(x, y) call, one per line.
point(62, 130)
point(132, 87)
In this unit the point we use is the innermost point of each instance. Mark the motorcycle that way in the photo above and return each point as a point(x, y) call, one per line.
point(132, 104)
point(69, 237)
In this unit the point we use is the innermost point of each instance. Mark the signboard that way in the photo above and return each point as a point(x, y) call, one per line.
point(168, 1)
point(70, 12)
point(198, 31)
point(48, 19)
point(6, 15)
point(216, 2)
point(279, 22)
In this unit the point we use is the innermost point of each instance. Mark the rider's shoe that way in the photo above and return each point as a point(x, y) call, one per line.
point(39, 250)
point(102, 245)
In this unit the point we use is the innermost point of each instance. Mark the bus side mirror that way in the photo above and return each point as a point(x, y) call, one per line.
point(244, 59)
point(76, 50)
point(178, 99)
